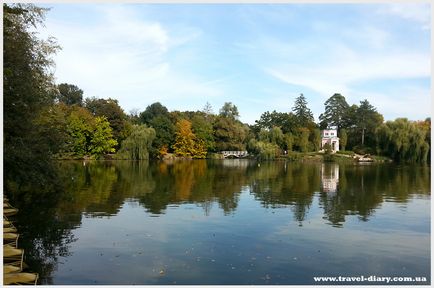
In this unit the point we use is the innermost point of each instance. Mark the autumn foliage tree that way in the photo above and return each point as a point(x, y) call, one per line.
point(186, 143)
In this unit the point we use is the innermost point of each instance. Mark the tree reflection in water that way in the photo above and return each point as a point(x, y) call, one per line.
point(99, 189)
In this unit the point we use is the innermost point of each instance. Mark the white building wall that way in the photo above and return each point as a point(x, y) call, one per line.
point(330, 136)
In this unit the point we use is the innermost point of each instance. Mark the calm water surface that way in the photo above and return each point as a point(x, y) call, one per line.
point(228, 222)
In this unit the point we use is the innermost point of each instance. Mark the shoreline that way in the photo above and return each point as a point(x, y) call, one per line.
point(346, 157)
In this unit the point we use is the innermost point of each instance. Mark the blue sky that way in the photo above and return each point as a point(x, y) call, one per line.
point(258, 56)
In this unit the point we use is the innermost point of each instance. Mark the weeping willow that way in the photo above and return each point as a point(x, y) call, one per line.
point(137, 145)
point(404, 140)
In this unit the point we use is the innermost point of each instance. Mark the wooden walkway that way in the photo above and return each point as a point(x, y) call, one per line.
point(13, 256)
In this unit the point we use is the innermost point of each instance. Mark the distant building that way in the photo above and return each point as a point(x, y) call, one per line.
point(330, 136)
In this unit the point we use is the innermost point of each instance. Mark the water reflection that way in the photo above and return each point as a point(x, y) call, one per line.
point(329, 177)
point(102, 189)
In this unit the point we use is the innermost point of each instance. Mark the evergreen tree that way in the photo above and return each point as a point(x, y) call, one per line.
point(207, 109)
point(335, 108)
point(367, 120)
point(302, 113)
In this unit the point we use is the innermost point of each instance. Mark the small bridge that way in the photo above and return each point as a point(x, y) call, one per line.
point(234, 154)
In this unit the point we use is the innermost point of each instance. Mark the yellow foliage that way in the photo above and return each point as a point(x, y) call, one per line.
point(163, 150)
point(186, 143)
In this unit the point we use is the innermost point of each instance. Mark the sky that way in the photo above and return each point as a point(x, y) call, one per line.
point(260, 57)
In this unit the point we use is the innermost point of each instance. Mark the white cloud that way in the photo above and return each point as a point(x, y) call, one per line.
point(118, 52)
point(418, 12)
point(308, 77)
point(410, 102)
point(346, 67)
point(126, 57)
point(332, 66)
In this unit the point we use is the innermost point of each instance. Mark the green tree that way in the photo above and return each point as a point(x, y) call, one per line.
point(207, 109)
point(186, 143)
point(69, 94)
point(327, 149)
point(229, 110)
point(403, 140)
point(152, 111)
point(264, 150)
point(80, 126)
point(343, 138)
point(158, 117)
point(137, 145)
point(133, 116)
point(367, 119)
point(102, 141)
point(289, 141)
point(203, 130)
point(230, 134)
point(115, 115)
point(87, 135)
point(285, 121)
point(53, 125)
point(276, 136)
point(426, 127)
point(335, 108)
point(28, 87)
point(264, 135)
point(303, 114)
point(316, 139)
point(303, 139)
point(349, 122)
point(165, 133)
point(349, 118)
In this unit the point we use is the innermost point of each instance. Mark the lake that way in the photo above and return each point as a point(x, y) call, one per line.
point(229, 222)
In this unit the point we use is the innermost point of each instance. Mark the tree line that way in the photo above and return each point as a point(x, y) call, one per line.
point(97, 126)
point(43, 120)
point(94, 127)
